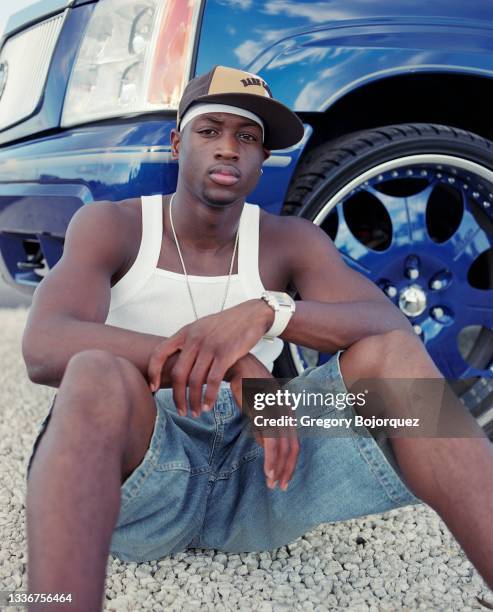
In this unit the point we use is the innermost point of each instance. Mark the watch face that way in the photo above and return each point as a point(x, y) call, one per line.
point(283, 299)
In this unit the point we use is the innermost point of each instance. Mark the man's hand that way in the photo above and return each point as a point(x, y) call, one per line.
point(208, 348)
point(281, 452)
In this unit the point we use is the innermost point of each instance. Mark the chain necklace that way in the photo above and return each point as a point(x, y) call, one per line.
point(183, 263)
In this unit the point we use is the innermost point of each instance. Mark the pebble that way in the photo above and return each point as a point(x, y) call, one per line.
point(332, 567)
point(294, 577)
point(308, 581)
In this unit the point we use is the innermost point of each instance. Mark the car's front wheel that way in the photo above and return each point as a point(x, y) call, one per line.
point(411, 207)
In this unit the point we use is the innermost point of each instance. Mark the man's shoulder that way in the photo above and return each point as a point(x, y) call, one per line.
point(111, 227)
point(122, 215)
point(286, 227)
point(124, 210)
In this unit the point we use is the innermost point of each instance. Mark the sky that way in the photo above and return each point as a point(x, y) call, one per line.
point(7, 7)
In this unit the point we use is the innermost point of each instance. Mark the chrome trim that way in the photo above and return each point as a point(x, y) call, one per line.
point(427, 158)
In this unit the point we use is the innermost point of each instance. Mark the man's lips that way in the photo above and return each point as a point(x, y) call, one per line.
point(224, 175)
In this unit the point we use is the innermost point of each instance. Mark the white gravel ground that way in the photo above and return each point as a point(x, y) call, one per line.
point(404, 559)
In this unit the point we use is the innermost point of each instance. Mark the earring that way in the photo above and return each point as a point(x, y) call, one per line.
point(261, 171)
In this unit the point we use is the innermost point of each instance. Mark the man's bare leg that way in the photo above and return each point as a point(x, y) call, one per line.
point(452, 475)
point(98, 434)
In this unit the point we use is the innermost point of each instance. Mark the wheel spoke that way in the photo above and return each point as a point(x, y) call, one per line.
point(398, 211)
point(417, 205)
point(408, 216)
point(472, 372)
point(478, 307)
point(443, 346)
point(468, 240)
point(355, 253)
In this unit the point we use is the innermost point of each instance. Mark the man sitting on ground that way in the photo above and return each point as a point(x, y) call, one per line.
point(161, 295)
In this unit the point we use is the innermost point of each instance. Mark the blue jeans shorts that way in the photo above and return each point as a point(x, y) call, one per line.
point(201, 483)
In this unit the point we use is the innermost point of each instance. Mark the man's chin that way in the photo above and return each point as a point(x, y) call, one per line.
point(221, 198)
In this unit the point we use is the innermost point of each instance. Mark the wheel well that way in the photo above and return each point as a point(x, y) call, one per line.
point(462, 101)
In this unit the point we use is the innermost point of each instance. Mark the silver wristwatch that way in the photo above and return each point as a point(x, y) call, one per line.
point(283, 306)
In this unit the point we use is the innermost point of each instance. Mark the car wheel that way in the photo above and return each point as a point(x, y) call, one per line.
point(411, 207)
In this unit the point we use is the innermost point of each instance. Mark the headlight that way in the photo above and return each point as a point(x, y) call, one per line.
point(135, 56)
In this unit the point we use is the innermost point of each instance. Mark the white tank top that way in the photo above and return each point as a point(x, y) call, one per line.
point(150, 300)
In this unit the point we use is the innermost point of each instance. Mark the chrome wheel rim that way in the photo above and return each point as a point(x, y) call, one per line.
point(428, 279)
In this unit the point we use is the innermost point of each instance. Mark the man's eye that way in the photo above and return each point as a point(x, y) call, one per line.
point(249, 137)
point(207, 131)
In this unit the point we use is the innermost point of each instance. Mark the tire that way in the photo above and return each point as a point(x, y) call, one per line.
point(413, 199)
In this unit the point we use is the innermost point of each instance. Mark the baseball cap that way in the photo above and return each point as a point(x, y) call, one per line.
point(224, 85)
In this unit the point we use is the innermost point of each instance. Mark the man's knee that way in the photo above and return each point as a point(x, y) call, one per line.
point(95, 371)
point(374, 356)
point(102, 400)
point(400, 343)
point(104, 393)
point(399, 378)
point(92, 362)
point(94, 388)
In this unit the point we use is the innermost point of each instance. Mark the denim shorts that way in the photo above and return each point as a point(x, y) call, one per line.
point(201, 483)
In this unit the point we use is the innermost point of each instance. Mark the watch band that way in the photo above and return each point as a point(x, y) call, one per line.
point(283, 306)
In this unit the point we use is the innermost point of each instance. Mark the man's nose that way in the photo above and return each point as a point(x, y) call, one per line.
point(227, 147)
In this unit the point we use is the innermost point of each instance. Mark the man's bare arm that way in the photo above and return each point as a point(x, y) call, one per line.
point(72, 302)
point(339, 306)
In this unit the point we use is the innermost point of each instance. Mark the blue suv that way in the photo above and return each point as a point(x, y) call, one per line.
point(396, 163)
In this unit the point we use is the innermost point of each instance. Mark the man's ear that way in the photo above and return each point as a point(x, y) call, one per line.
point(266, 153)
point(175, 143)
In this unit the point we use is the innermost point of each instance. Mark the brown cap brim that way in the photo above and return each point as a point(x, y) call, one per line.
point(283, 128)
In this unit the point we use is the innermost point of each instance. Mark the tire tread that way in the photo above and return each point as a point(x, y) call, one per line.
point(321, 161)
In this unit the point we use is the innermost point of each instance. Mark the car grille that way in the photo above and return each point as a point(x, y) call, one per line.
point(24, 63)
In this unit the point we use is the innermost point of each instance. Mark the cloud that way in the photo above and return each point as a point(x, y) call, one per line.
point(319, 12)
point(241, 4)
point(248, 50)
point(302, 56)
